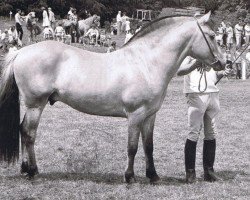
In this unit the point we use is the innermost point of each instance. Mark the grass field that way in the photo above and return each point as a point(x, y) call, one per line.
point(83, 157)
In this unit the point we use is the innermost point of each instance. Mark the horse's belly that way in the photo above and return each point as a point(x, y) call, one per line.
point(94, 104)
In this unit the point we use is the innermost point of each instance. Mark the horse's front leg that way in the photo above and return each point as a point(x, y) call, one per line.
point(28, 135)
point(133, 139)
point(147, 140)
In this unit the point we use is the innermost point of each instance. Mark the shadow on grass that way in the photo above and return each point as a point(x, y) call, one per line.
point(114, 179)
point(231, 175)
point(109, 178)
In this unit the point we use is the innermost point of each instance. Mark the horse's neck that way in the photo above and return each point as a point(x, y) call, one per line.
point(163, 52)
point(89, 20)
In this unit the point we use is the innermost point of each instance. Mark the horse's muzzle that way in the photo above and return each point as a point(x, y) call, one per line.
point(218, 65)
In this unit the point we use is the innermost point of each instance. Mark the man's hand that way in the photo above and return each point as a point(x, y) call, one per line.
point(198, 64)
point(228, 70)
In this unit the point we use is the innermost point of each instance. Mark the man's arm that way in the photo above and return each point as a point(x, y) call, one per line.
point(187, 66)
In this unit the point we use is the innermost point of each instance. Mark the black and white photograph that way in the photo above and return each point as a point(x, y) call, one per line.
point(124, 99)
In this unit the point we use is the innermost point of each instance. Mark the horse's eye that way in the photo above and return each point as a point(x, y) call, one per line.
point(212, 36)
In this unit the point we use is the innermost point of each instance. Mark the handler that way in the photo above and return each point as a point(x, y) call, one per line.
point(203, 106)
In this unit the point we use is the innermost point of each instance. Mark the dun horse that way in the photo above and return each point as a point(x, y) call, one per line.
point(130, 82)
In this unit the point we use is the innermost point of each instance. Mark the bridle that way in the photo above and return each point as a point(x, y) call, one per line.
point(210, 49)
point(203, 71)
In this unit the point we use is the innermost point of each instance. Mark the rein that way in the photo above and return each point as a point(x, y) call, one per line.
point(203, 71)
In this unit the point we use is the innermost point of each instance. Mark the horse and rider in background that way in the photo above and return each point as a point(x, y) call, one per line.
point(32, 27)
point(77, 28)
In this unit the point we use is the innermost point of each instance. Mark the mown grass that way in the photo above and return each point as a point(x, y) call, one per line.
point(83, 157)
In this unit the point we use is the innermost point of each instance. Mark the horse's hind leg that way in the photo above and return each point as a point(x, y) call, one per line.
point(147, 140)
point(28, 135)
point(133, 139)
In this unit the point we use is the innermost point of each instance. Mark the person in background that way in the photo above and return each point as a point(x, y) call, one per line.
point(124, 19)
point(112, 47)
point(73, 17)
point(248, 55)
point(46, 21)
point(248, 60)
point(5, 40)
point(203, 106)
point(238, 30)
point(230, 35)
point(19, 19)
point(13, 47)
point(224, 37)
point(119, 22)
point(129, 35)
point(220, 35)
point(247, 31)
point(93, 35)
point(238, 63)
point(59, 32)
point(13, 36)
point(48, 33)
point(51, 18)
point(127, 25)
point(70, 12)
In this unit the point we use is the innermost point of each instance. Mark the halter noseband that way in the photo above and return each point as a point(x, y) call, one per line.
point(210, 49)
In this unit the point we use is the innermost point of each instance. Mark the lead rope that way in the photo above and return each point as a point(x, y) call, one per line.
point(203, 73)
point(234, 62)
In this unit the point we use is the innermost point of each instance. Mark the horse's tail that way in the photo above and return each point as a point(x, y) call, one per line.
point(9, 112)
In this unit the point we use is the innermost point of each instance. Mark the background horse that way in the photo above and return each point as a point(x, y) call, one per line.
point(130, 82)
point(84, 25)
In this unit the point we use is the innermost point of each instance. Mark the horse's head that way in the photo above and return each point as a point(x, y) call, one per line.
point(204, 46)
point(96, 20)
point(32, 14)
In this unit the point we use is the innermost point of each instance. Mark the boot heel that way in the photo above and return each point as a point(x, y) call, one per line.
point(190, 176)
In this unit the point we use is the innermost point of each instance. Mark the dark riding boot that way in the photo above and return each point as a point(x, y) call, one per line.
point(190, 155)
point(209, 148)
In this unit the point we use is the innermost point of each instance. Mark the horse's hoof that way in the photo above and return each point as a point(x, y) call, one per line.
point(129, 178)
point(30, 171)
point(24, 167)
point(155, 180)
point(33, 170)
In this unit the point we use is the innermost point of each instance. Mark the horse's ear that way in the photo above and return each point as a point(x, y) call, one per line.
point(204, 19)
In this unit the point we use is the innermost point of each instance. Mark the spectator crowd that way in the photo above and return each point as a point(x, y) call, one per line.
point(235, 40)
point(52, 29)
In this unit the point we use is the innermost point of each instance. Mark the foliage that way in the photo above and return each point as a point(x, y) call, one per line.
point(5, 8)
point(241, 13)
point(108, 8)
point(208, 4)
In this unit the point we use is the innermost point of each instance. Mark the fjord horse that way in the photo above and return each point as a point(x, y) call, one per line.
point(130, 82)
